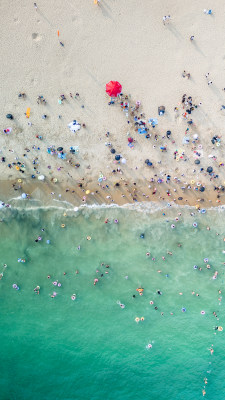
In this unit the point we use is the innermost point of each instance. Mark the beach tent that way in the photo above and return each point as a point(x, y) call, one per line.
point(113, 88)
point(161, 110)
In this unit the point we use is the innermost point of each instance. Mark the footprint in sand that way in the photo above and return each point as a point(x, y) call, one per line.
point(36, 37)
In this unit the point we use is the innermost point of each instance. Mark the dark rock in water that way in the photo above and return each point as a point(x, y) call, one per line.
point(142, 235)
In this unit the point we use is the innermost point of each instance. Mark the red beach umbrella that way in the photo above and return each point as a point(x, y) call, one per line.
point(113, 88)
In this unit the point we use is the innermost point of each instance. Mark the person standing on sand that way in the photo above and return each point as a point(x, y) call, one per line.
point(166, 18)
point(35, 6)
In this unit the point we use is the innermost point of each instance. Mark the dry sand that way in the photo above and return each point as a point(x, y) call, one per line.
point(117, 40)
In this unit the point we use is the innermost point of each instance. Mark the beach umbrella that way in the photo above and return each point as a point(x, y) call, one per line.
point(9, 116)
point(113, 151)
point(202, 189)
point(147, 161)
point(41, 178)
point(117, 157)
point(60, 149)
point(180, 198)
point(130, 140)
point(197, 161)
point(1, 204)
point(23, 195)
point(123, 161)
point(113, 88)
point(209, 170)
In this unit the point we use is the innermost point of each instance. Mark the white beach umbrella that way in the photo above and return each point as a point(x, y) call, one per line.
point(41, 178)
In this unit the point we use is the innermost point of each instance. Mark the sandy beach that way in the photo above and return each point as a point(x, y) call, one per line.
point(126, 42)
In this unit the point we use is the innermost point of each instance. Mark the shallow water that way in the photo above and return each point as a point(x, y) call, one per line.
point(91, 348)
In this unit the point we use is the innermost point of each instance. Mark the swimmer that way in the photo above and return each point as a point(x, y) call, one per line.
point(95, 281)
point(49, 276)
point(148, 254)
point(170, 253)
point(122, 305)
point(73, 297)
point(78, 248)
point(211, 350)
point(159, 292)
point(77, 272)
point(179, 245)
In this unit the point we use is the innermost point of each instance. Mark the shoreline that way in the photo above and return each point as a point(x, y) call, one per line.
point(43, 192)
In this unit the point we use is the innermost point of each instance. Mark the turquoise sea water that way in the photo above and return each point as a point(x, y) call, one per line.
point(91, 348)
